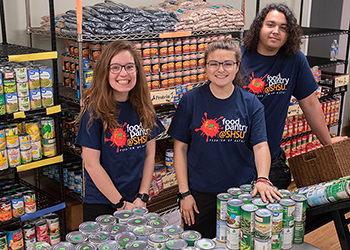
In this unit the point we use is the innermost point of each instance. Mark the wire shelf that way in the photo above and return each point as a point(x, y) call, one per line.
point(13, 49)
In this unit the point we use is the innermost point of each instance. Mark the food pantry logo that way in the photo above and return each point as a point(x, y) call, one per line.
point(272, 84)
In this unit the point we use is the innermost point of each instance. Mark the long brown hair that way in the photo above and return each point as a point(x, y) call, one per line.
point(292, 45)
point(99, 99)
point(230, 45)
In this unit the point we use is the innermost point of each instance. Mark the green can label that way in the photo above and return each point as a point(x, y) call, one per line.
point(248, 218)
point(300, 208)
point(221, 206)
point(288, 212)
point(276, 241)
point(247, 241)
point(48, 127)
point(2, 105)
point(299, 231)
point(338, 191)
point(234, 212)
point(263, 224)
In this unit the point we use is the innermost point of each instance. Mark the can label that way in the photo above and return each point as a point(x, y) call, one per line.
point(17, 206)
point(233, 216)
point(13, 157)
point(338, 191)
point(45, 76)
point(24, 141)
point(36, 150)
point(247, 241)
point(221, 212)
point(287, 238)
point(48, 127)
point(262, 244)
point(300, 211)
point(34, 79)
point(54, 239)
point(317, 197)
point(248, 221)
point(3, 241)
point(29, 202)
point(22, 89)
point(15, 239)
point(5, 209)
point(263, 225)
point(42, 231)
point(32, 128)
point(11, 134)
point(221, 231)
point(47, 97)
point(49, 147)
point(11, 103)
point(299, 231)
point(26, 156)
point(29, 232)
point(288, 215)
point(2, 139)
point(35, 98)
point(3, 160)
point(23, 103)
point(276, 241)
point(232, 237)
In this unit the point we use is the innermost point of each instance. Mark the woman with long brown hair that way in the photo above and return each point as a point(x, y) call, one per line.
point(117, 128)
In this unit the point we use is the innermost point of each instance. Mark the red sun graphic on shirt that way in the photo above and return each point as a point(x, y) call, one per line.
point(210, 127)
point(256, 85)
point(118, 137)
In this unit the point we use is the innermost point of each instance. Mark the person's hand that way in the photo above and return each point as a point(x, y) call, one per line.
point(338, 138)
point(266, 191)
point(139, 203)
point(187, 208)
point(127, 206)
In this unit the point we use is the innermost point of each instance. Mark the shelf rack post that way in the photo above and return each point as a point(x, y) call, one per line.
point(3, 26)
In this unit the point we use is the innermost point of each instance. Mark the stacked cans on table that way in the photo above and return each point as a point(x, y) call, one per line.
point(244, 222)
point(24, 87)
point(135, 229)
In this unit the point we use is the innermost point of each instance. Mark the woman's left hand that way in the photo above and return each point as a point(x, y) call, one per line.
point(266, 191)
point(139, 203)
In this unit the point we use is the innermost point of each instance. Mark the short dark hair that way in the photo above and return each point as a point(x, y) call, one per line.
point(292, 45)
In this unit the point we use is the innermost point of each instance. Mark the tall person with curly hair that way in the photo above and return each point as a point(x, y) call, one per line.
point(117, 131)
point(275, 69)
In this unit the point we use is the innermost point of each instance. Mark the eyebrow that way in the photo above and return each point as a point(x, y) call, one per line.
point(270, 21)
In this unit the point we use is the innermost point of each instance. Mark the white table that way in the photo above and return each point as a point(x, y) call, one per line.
point(304, 246)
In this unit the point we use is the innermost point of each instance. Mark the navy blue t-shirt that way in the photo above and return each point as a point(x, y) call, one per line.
point(122, 152)
point(274, 79)
point(220, 134)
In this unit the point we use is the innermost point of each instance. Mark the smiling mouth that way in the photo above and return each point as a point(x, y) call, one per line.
point(123, 82)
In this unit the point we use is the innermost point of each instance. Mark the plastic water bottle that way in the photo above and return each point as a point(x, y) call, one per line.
point(334, 51)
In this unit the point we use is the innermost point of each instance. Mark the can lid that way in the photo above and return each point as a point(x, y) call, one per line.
point(158, 237)
point(191, 235)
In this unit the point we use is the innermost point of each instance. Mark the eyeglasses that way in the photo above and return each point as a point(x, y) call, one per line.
point(116, 68)
point(227, 65)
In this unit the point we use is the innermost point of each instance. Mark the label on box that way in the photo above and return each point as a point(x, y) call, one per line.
point(294, 110)
point(341, 81)
point(169, 180)
point(162, 96)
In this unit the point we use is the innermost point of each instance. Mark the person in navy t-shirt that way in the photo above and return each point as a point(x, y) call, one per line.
point(117, 131)
point(219, 140)
point(275, 69)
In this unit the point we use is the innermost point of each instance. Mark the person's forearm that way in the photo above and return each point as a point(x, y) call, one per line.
point(262, 159)
point(314, 115)
point(180, 165)
point(148, 167)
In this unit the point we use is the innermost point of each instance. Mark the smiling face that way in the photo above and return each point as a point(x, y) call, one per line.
point(273, 33)
point(222, 78)
point(122, 82)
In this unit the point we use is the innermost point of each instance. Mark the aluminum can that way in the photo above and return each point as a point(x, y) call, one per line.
point(89, 227)
point(285, 193)
point(247, 188)
point(11, 135)
point(3, 160)
point(158, 224)
point(14, 236)
point(122, 216)
point(221, 206)
point(5, 209)
point(190, 236)
point(40, 245)
point(259, 202)
point(277, 217)
point(24, 141)
point(53, 223)
point(99, 237)
point(3, 241)
point(234, 191)
point(137, 244)
point(17, 205)
point(262, 244)
point(87, 245)
point(42, 231)
point(287, 238)
point(221, 231)
point(14, 157)
point(134, 222)
point(205, 243)
point(106, 220)
point(300, 207)
point(36, 150)
point(276, 241)
point(139, 211)
point(151, 216)
point(263, 224)
point(246, 241)
point(108, 245)
point(62, 246)
point(48, 127)
point(338, 191)
point(299, 232)
point(175, 244)
point(234, 212)
point(246, 198)
point(248, 218)
point(124, 238)
point(76, 237)
point(288, 212)
point(116, 229)
point(142, 232)
point(173, 231)
point(232, 237)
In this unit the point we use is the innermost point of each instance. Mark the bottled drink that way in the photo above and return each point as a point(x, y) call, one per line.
point(334, 51)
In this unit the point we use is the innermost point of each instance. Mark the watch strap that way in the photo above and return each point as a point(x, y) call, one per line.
point(120, 204)
point(183, 195)
point(144, 197)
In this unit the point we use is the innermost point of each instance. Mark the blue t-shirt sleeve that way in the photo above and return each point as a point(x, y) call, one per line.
point(89, 137)
point(305, 81)
point(258, 132)
point(180, 125)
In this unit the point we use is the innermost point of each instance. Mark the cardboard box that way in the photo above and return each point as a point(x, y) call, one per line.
point(74, 214)
point(338, 79)
point(323, 164)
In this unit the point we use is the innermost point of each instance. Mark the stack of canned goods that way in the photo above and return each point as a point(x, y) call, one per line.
point(24, 87)
point(39, 233)
point(244, 222)
point(169, 159)
point(16, 200)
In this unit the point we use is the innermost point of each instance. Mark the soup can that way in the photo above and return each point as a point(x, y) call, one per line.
point(158, 240)
point(42, 231)
point(105, 220)
point(5, 209)
point(17, 205)
point(99, 237)
point(89, 227)
point(14, 236)
point(3, 160)
point(124, 238)
point(190, 236)
point(122, 216)
point(142, 232)
point(174, 231)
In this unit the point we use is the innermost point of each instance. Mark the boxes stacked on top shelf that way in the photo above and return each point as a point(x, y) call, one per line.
point(24, 86)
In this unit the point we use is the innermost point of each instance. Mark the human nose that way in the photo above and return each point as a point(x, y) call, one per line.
point(123, 71)
point(276, 29)
point(221, 67)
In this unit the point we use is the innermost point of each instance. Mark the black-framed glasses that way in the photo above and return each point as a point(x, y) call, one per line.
point(227, 65)
point(116, 68)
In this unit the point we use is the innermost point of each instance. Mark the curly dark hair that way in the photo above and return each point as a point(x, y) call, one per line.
point(251, 38)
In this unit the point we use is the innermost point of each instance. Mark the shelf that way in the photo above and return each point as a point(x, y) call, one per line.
point(323, 62)
point(7, 171)
point(34, 112)
point(45, 203)
point(104, 38)
point(7, 50)
point(33, 56)
point(320, 32)
point(68, 95)
point(71, 150)
point(40, 163)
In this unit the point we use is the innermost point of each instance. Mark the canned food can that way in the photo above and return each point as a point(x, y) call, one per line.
point(21, 74)
point(32, 128)
point(277, 217)
point(35, 98)
point(5, 209)
point(234, 212)
point(205, 243)
point(76, 237)
point(247, 188)
point(175, 244)
point(276, 241)
point(53, 223)
point(259, 202)
point(300, 207)
point(45, 76)
point(14, 157)
point(33, 77)
point(262, 244)
point(106, 220)
point(116, 229)
point(23, 103)
point(108, 245)
point(234, 191)
point(248, 218)
point(24, 141)
point(48, 127)
point(26, 156)
point(36, 150)
point(246, 198)
point(137, 244)
point(11, 135)
point(174, 231)
point(139, 211)
point(134, 222)
point(28, 231)
point(299, 232)
point(142, 232)
point(285, 193)
point(62, 246)
point(17, 205)
point(85, 246)
point(3, 241)
point(2, 135)
point(190, 236)
point(158, 224)
point(47, 97)
point(158, 240)
point(288, 212)
point(246, 241)
point(89, 227)
point(151, 216)
point(42, 231)
point(49, 147)
point(287, 238)
point(99, 237)
point(3, 160)
point(338, 191)
point(40, 245)
point(124, 238)
point(232, 237)
point(14, 236)
point(221, 206)
point(221, 231)
point(263, 224)
point(28, 243)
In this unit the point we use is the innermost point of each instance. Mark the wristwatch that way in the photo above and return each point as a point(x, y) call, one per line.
point(183, 195)
point(144, 197)
point(120, 204)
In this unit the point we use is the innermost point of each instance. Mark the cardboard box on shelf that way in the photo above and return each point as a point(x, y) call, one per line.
point(338, 79)
point(74, 214)
point(323, 164)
